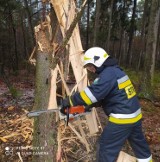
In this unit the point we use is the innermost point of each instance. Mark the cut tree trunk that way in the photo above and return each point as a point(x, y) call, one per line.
point(45, 126)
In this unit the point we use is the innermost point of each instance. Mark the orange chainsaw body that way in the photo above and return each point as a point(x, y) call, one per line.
point(76, 110)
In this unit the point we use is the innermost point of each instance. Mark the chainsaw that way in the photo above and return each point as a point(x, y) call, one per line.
point(71, 112)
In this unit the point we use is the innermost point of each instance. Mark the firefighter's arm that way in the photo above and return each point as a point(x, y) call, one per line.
point(100, 88)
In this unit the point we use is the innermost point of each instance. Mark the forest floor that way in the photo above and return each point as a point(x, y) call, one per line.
point(16, 129)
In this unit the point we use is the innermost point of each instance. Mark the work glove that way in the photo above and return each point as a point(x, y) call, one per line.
point(65, 103)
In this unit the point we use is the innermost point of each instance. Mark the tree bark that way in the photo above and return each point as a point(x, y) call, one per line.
point(96, 24)
point(24, 38)
point(15, 55)
point(158, 45)
point(30, 22)
point(144, 29)
point(109, 26)
point(120, 45)
point(45, 126)
point(131, 34)
point(88, 18)
point(155, 34)
point(147, 89)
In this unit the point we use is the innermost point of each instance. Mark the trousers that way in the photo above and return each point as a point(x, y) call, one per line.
point(114, 137)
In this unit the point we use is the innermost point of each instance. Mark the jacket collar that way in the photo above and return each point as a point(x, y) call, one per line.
point(109, 62)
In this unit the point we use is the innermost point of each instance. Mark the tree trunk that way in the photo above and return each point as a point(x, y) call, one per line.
point(88, 18)
point(131, 34)
point(24, 38)
point(120, 45)
point(15, 55)
point(2, 60)
point(45, 126)
point(158, 45)
point(96, 24)
point(145, 17)
point(109, 26)
point(155, 34)
point(147, 89)
point(30, 22)
point(144, 29)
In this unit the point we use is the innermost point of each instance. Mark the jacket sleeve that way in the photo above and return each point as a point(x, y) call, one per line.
point(100, 88)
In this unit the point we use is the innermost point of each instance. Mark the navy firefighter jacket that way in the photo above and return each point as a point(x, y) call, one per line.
point(115, 91)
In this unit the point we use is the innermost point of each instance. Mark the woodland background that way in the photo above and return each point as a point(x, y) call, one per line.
point(129, 30)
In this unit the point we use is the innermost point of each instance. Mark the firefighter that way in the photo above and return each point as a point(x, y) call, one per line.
point(115, 91)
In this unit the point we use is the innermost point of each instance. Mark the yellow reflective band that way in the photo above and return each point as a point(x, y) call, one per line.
point(125, 121)
point(85, 98)
point(70, 101)
point(86, 58)
point(105, 55)
point(124, 84)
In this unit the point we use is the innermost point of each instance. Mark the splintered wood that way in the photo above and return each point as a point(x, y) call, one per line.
point(65, 11)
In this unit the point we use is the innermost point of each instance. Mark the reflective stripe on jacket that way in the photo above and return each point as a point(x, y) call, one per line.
point(116, 92)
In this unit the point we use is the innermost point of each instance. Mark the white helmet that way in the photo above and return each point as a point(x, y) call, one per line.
point(95, 56)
